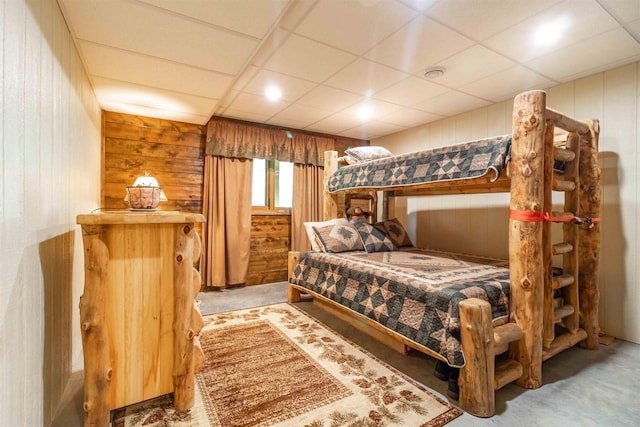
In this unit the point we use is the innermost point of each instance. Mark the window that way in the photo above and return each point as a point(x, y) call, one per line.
point(272, 185)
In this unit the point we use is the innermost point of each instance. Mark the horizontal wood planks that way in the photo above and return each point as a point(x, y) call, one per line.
point(173, 152)
point(270, 244)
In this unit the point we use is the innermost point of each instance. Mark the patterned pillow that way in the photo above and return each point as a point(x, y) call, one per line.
point(338, 238)
point(373, 239)
point(367, 153)
point(395, 231)
point(313, 238)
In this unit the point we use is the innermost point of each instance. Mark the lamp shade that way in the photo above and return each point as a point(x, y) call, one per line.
point(145, 193)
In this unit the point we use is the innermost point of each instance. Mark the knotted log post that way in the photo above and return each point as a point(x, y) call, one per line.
point(95, 336)
point(293, 294)
point(477, 392)
point(589, 254)
point(330, 209)
point(525, 237)
point(183, 333)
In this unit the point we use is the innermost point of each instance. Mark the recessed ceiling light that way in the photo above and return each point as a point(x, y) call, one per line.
point(273, 93)
point(365, 112)
point(433, 72)
point(551, 31)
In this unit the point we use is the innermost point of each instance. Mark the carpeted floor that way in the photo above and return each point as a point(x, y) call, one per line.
point(581, 387)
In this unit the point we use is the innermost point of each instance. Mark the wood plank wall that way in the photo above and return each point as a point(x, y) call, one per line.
point(173, 152)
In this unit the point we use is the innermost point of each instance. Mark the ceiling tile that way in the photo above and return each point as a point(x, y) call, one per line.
point(328, 98)
point(158, 113)
point(583, 19)
point(374, 107)
point(250, 17)
point(270, 45)
point(472, 64)
point(291, 87)
point(505, 84)
point(419, 5)
point(420, 44)
point(481, 19)
point(246, 76)
point(256, 104)
point(296, 13)
point(123, 92)
point(624, 11)
point(104, 61)
point(307, 59)
point(302, 113)
point(409, 117)
point(613, 47)
point(138, 27)
point(333, 124)
point(452, 103)
point(365, 77)
point(288, 122)
point(252, 116)
point(634, 28)
point(411, 91)
point(370, 130)
point(355, 26)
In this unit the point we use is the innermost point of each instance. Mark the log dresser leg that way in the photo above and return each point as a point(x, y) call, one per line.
point(183, 332)
point(95, 337)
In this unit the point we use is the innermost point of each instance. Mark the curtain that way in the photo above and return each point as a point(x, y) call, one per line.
point(307, 203)
point(233, 139)
point(308, 186)
point(227, 209)
point(230, 146)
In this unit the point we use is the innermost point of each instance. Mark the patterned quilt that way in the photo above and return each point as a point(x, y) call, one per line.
point(462, 161)
point(414, 292)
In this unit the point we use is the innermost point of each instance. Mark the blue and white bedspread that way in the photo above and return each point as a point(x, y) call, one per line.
point(414, 292)
point(463, 161)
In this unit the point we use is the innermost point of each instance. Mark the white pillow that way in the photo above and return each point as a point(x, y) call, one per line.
point(308, 226)
point(366, 153)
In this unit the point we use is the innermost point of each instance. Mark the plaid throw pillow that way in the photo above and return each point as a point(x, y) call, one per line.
point(373, 239)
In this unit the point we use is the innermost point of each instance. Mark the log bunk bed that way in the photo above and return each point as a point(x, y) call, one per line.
point(499, 349)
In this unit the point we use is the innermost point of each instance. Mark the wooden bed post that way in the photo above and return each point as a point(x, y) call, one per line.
point(293, 294)
point(525, 237)
point(589, 254)
point(477, 391)
point(330, 209)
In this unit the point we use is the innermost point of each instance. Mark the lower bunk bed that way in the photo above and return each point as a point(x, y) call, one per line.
point(466, 310)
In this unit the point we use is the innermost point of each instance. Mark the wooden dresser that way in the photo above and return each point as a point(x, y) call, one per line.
point(138, 317)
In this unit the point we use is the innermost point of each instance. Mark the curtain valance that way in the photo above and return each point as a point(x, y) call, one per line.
point(244, 141)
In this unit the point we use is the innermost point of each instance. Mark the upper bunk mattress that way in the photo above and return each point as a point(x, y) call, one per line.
point(414, 292)
point(463, 161)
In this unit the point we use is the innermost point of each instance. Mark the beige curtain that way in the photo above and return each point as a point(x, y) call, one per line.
point(227, 208)
point(307, 203)
point(308, 176)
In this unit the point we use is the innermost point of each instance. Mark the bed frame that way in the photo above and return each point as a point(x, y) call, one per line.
point(530, 335)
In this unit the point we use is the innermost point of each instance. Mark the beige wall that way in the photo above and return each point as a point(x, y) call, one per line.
point(478, 223)
point(50, 157)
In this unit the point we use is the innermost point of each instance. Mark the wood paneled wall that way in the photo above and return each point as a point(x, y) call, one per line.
point(270, 243)
point(173, 152)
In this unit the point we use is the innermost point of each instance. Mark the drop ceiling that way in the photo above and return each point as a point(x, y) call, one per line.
point(345, 67)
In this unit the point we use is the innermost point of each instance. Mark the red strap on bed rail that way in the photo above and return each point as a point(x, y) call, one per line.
point(533, 216)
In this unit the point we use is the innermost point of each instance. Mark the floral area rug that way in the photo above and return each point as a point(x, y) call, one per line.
point(276, 366)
